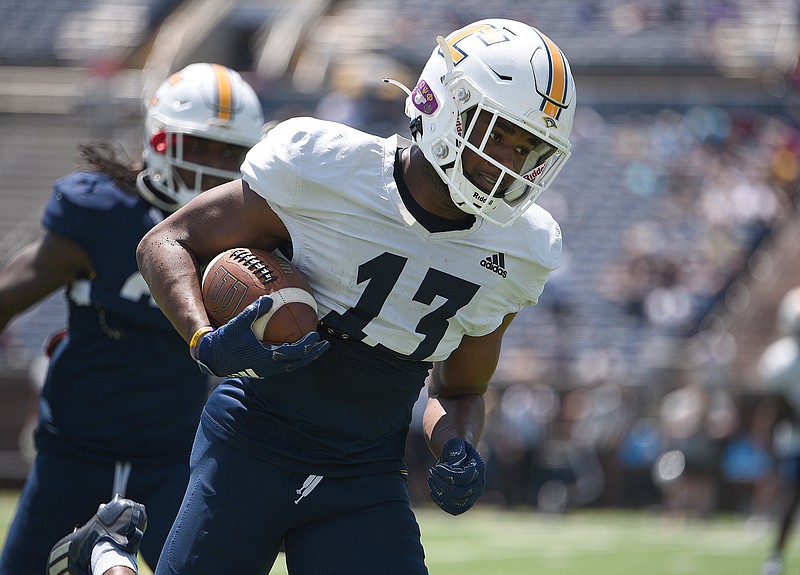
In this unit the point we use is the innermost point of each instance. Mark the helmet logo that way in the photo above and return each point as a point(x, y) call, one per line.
point(534, 173)
point(549, 122)
point(423, 98)
point(486, 33)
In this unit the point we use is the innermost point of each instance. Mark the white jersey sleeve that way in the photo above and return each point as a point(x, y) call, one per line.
point(377, 273)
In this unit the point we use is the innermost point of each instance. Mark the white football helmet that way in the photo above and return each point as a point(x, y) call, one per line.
point(509, 70)
point(203, 100)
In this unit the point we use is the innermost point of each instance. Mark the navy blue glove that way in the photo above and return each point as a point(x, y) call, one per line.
point(459, 478)
point(233, 350)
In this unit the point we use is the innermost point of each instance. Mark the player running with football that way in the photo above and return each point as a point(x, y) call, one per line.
point(121, 400)
point(391, 235)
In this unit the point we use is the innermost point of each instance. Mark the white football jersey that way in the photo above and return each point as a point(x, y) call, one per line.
point(378, 274)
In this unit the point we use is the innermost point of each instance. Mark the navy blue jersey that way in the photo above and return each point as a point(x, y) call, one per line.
point(122, 385)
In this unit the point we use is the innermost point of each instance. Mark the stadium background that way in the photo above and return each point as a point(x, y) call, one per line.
point(633, 382)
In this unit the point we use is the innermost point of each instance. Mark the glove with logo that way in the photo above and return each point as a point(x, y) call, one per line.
point(233, 350)
point(459, 477)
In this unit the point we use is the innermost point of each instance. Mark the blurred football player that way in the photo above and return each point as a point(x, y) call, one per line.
point(779, 369)
point(420, 254)
point(121, 401)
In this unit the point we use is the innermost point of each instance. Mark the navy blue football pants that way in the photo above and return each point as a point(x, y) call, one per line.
point(238, 510)
point(63, 492)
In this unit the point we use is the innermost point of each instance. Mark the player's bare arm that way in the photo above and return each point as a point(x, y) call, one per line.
point(455, 390)
point(37, 270)
point(171, 254)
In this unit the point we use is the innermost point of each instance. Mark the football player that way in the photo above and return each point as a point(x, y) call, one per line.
point(121, 401)
point(420, 253)
point(779, 369)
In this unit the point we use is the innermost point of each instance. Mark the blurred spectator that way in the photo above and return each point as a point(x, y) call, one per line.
point(638, 451)
point(521, 421)
point(747, 463)
point(668, 304)
point(598, 416)
point(718, 183)
point(695, 421)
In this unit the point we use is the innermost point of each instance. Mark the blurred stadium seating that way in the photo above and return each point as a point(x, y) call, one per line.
point(678, 207)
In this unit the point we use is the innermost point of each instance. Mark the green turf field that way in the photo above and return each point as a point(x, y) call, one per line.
point(587, 542)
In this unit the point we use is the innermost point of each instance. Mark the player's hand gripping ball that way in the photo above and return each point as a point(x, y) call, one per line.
point(248, 289)
point(238, 277)
point(458, 478)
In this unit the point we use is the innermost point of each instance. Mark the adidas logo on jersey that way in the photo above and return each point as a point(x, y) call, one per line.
point(496, 263)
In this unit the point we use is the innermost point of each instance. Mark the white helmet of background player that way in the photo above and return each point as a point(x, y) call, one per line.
point(205, 101)
point(509, 70)
point(789, 313)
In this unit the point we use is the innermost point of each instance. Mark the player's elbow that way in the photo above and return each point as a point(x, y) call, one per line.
point(454, 388)
point(455, 379)
point(149, 251)
point(143, 252)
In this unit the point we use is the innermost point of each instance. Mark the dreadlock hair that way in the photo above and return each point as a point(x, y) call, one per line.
point(112, 160)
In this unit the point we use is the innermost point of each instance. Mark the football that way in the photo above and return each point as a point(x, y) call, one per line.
point(237, 277)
